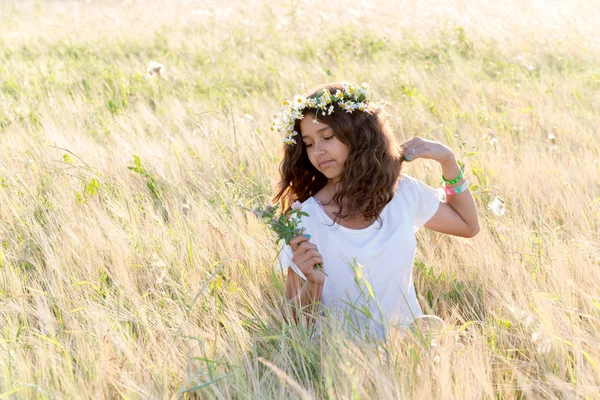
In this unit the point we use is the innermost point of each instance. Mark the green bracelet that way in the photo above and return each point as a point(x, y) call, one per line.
point(453, 181)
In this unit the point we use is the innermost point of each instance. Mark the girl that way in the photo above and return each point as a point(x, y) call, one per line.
point(342, 164)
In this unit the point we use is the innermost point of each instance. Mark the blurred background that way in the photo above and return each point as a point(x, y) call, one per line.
point(135, 137)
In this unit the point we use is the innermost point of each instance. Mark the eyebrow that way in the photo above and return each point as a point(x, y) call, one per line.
point(319, 131)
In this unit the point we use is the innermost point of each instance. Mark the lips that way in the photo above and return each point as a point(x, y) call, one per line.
point(325, 163)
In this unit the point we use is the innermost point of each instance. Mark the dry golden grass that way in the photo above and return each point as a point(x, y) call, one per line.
point(154, 281)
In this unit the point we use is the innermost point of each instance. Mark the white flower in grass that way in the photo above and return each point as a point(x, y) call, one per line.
point(535, 336)
point(297, 206)
point(497, 206)
point(160, 267)
point(155, 69)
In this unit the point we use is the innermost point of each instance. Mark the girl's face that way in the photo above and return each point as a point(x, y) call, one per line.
point(325, 151)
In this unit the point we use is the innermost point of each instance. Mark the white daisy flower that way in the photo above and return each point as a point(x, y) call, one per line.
point(349, 89)
point(346, 106)
point(299, 102)
point(330, 110)
point(339, 95)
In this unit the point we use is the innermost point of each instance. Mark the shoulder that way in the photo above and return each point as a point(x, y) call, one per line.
point(414, 189)
point(407, 184)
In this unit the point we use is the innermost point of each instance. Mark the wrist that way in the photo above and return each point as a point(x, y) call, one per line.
point(449, 161)
point(313, 291)
point(314, 285)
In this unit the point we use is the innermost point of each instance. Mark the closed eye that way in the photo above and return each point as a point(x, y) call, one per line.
point(327, 138)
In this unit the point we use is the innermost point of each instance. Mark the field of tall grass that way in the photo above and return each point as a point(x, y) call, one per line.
point(130, 266)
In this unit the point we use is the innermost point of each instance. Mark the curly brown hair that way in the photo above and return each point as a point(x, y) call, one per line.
point(370, 172)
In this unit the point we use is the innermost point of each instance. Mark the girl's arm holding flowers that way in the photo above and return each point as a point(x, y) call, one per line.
point(304, 295)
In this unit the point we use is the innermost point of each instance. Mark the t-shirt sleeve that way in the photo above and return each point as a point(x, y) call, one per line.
point(424, 200)
point(285, 260)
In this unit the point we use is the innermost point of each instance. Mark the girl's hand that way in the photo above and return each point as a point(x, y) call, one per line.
point(422, 148)
point(305, 257)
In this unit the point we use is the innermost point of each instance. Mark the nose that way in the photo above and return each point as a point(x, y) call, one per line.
point(319, 149)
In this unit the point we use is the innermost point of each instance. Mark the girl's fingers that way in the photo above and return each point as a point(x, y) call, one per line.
point(410, 154)
point(411, 142)
point(307, 255)
point(412, 146)
point(416, 151)
point(296, 241)
point(316, 260)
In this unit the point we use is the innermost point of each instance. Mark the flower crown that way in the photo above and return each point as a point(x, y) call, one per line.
point(350, 98)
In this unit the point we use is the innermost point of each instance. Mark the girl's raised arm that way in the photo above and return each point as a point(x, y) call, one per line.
point(458, 215)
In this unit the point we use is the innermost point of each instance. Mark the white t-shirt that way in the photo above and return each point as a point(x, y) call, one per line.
point(378, 289)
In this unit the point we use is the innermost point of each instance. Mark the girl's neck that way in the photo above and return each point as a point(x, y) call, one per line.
point(329, 191)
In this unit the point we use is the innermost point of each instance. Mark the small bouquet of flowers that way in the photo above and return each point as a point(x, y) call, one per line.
point(286, 225)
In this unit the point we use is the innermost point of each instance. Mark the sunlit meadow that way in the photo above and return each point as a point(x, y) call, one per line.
point(135, 140)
